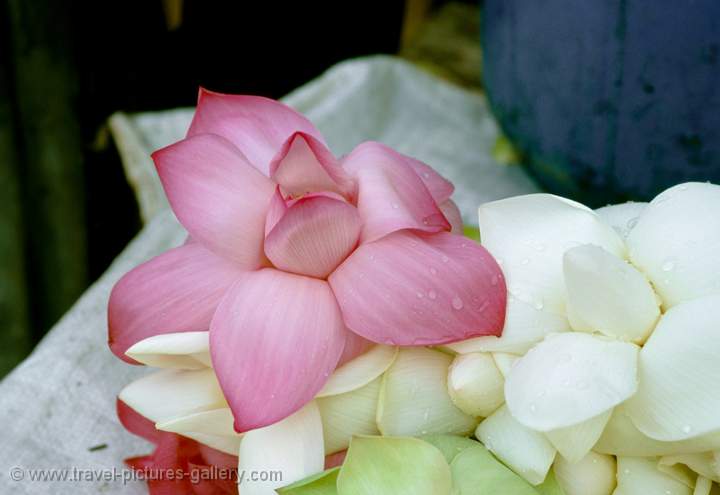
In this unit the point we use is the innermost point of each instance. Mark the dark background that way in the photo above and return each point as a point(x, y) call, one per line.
point(67, 210)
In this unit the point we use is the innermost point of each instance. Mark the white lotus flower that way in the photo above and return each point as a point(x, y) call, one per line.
point(608, 308)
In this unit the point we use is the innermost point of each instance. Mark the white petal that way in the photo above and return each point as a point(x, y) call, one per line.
point(360, 371)
point(229, 445)
point(622, 217)
point(475, 384)
point(349, 414)
point(569, 378)
point(640, 476)
point(678, 396)
point(676, 242)
point(525, 326)
point(529, 235)
point(414, 399)
point(213, 422)
point(607, 295)
point(504, 362)
point(523, 450)
point(704, 486)
point(702, 463)
point(184, 350)
point(293, 447)
point(621, 437)
point(169, 394)
point(574, 442)
point(594, 474)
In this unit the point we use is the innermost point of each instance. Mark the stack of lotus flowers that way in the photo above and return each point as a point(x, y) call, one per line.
point(328, 329)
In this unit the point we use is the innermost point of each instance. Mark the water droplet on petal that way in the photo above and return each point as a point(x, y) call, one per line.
point(686, 429)
point(395, 206)
point(445, 259)
point(668, 265)
point(457, 303)
point(525, 261)
point(432, 294)
point(433, 271)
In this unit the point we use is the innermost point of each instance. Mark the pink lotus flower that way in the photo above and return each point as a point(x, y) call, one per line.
point(297, 260)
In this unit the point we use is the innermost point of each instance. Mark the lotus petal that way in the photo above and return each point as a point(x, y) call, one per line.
point(349, 414)
point(621, 437)
point(678, 397)
point(185, 350)
point(285, 335)
point(503, 436)
point(475, 471)
point(529, 236)
point(622, 217)
point(324, 483)
point(676, 241)
point(453, 215)
point(569, 378)
point(401, 466)
point(449, 445)
point(257, 126)
point(217, 196)
point(594, 474)
point(607, 295)
point(574, 442)
point(414, 398)
point(475, 384)
point(292, 447)
point(640, 476)
point(413, 289)
point(505, 362)
point(304, 165)
point(212, 422)
point(314, 235)
point(702, 463)
point(391, 196)
point(359, 371)
point(169, 394)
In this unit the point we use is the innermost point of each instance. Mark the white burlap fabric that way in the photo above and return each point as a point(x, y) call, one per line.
point(57, 409)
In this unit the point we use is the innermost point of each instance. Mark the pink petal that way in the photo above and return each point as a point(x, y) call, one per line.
point(274, 340)
point(335, 460)
point(453, 215)
point(440, 188)
point(305, 165)
point(391, 196)
point(277, 209)
point(354, 347)
point(314, 236)
point(421, 289)
point(257, 126)
point(177, 291)
point(219, 198)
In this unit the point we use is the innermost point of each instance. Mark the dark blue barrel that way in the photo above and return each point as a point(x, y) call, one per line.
point(609, 99)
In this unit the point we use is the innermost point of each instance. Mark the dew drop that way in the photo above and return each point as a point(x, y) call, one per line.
point(432, 294)
point(433, 271)
point(445, 259)
point(626, 471)
point(686, 429)
point(533, 408)
point(525, 261)
point(457, 303)
point(539, 305)
point(494, 280)
point(420, 295)
point(426, 175)
point(395, 206)
point(632, 223)
point(668, 265)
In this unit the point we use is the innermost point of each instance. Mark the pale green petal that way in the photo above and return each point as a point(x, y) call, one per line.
point(594, 474)
point(678, 396)
point(449, 445)
point(702, 463)
point(475, 384)
point(574, 442)
point(569, 378)
point(393, 465)
point(348, 414)
point(324, 483)
point(550, 486)
point(676, 241)
point(608, 295)
point(212, 422)
point(360, 371)
point(640, 476)
point(476, 472)
point(184, 350)
point(414, 399)
point(504, 362)
point(525, 451)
